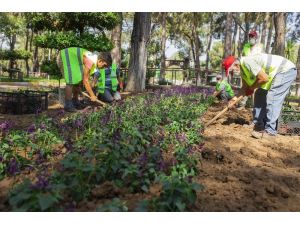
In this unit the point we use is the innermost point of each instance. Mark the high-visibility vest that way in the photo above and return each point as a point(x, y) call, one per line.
point(246, 49)
point(271, 65)
point(249, 50)
point(113, 77)
point(228, 88)
point(72, 61)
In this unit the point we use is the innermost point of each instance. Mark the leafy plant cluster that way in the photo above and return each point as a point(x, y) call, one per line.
point(50, 67)
point(61, 40)
point(142, 141)
point(28, 149)
point(14, 55)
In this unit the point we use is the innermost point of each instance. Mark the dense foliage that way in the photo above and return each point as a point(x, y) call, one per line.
point(61, 40)
point(14, 55)
point(149, 140)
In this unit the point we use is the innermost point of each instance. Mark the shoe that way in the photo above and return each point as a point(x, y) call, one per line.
point(69, 107)
point(258, 128)
point(267, 135)
point(262, 134)
point(77, 104)
point(257, 134)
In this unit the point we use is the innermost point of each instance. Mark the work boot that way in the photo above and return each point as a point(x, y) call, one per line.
point(262, 134)
point(77, 104)
point(69, 107)
point(257, 134)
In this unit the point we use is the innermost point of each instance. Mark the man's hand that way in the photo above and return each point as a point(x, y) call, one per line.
point(93, 98)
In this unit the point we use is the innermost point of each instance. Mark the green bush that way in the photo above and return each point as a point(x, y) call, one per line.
point(14, 55)
point(50, 67)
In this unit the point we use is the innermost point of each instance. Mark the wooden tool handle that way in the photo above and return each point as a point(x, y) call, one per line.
point(223, 111)
point(98, 101)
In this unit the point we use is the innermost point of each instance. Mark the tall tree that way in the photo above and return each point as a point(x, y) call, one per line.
point(138, 52)
point(116, 36)
point(211, 30)
point(298, 74)
point(266, 25)
point(235, 32)
point(270, 34)
point(228, 35)
point(12, 25)
point(197, 46)
point(280, 25)
point(163, 44)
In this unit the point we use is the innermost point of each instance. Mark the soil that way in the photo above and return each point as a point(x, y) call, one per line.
point(239, 173)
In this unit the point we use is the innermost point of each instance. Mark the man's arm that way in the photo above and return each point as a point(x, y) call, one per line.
point(86, 83)
point(261, 79)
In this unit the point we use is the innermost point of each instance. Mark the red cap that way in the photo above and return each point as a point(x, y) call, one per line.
point(252, 34)
point(227, 62)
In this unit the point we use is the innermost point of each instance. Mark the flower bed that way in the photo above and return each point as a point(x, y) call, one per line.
point(144, 141)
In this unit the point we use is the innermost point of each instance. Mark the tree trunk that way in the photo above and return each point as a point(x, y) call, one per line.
point(138, 52)
point(298, 74)
point(279, 23)
point(236, 28)
point(163, 45)
point(208, 47)
point(12, 44)
point(26, 48)
point(240, 43)
point(228, 35)
point(116, 36)
point(247, 27)
point(265, 27)
point(36, 59)
point(197, 48)
point(270, 34)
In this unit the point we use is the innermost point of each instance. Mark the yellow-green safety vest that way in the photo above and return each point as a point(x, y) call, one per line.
point(267, 68)
point(228, 88)
point(72, 61)
point(113, 77)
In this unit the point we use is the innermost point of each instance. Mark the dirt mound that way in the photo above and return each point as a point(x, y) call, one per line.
point(241, 173)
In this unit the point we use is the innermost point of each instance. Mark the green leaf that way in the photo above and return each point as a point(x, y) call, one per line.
point(46, 201)
point(180, 205)
point(145, 188)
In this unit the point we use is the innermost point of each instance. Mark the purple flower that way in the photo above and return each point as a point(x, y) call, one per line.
point(1, 158)
point(5, 126)
point(42, 183)
point(143, 159)
point(31, 128)
point(13, 167)
point(38, 111)
point(43, 126)
point(78, 123)
point(181, 137)
point(161, 165)
point(117, 135)
point(60, 112)
point(70, 207)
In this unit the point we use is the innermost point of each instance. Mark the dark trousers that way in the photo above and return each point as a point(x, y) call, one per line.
point(107, 96)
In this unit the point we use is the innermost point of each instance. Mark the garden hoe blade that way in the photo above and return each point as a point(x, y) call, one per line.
point(223, 111)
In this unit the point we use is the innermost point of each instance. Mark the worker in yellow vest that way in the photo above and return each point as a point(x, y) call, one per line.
point(252, 47)
point(106, 79)
point(273, 75)
point(77, 65)
point(223, 90)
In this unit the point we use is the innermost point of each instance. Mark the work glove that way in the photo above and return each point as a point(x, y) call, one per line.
point(249, 91)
